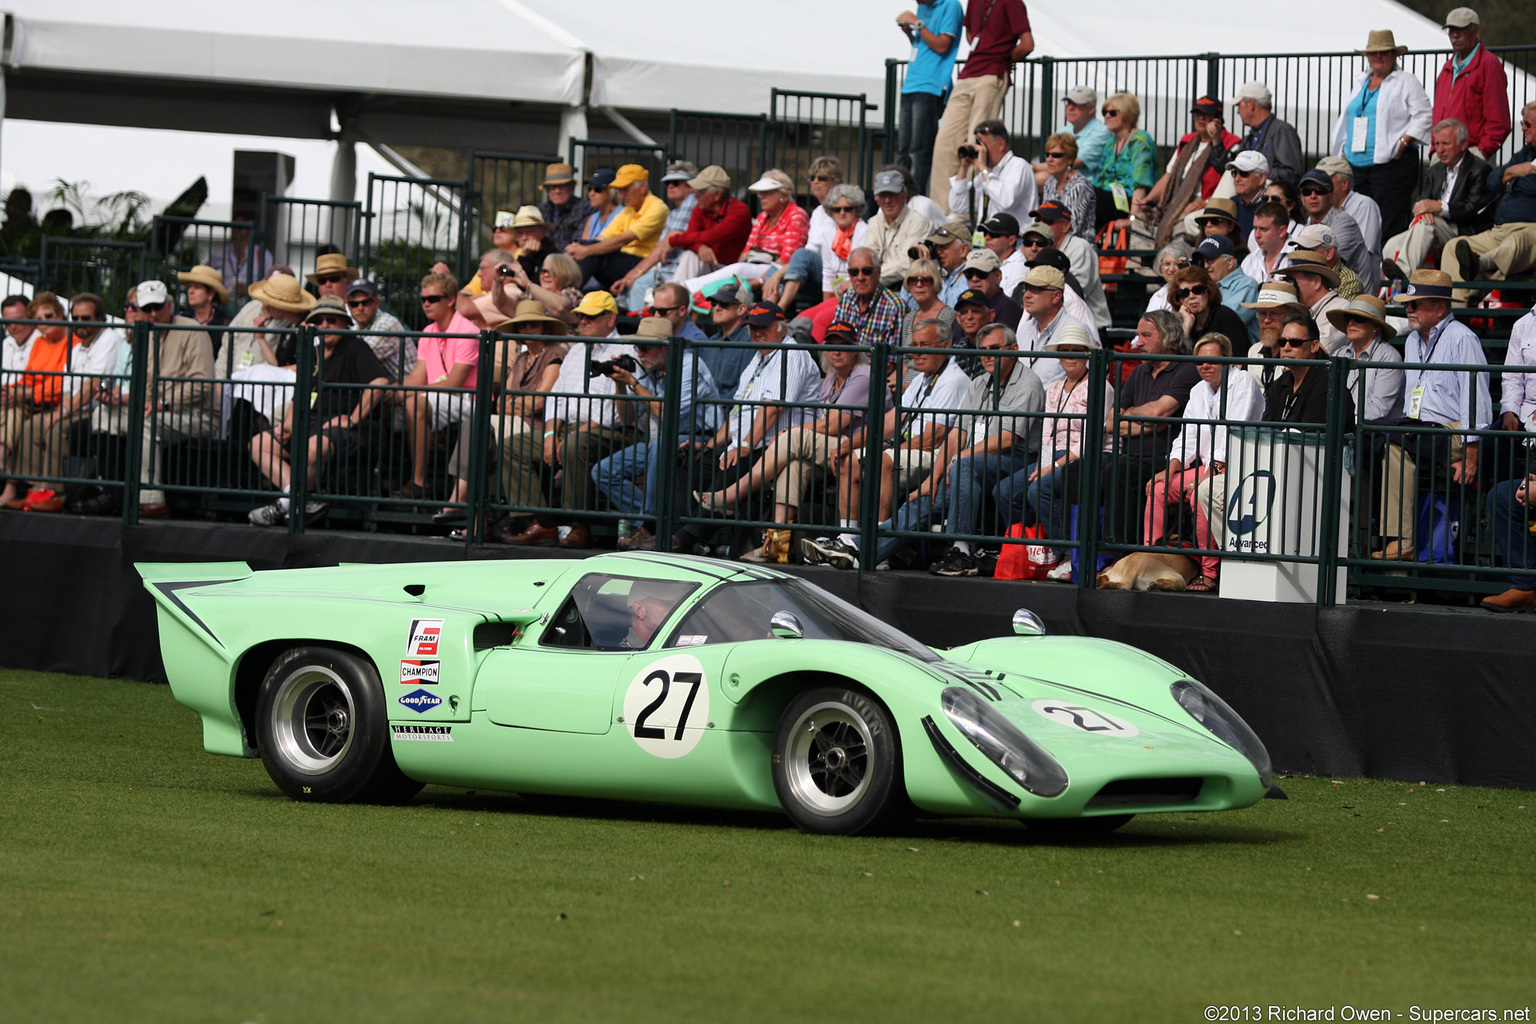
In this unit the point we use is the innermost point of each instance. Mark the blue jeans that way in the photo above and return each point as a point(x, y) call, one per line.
point(1511, 531)
point(805, 266)
point(615, 476)
point(973, 476)
point(918, 124)
point(1047, 497)
point(913, 515)
point(634, 299)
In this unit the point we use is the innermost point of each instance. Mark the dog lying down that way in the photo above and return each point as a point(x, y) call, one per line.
point(1149, 570)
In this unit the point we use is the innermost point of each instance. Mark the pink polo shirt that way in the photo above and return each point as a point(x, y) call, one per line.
point(440, 354)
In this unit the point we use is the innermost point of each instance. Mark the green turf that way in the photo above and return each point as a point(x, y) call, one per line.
point(144, 880)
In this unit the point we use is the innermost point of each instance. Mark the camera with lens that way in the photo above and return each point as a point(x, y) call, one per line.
point(921, 251)
point(604, 367)
point(968, 153)
point(505, 270)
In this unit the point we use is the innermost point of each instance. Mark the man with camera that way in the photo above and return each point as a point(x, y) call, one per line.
point(698, 415)
point(583, 423)
point(992, 178)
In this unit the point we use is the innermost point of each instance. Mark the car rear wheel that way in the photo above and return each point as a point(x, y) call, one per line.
point(837, 761)
point(323, 731)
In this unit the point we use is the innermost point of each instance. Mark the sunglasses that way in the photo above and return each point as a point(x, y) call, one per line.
point(1055, 156)
point(152, 307)
point(845, 209)
point(330, 278)
point(822, 177)
point(1111, 113)
point(971, 272)
point(131, 308)
point(1243, 174)
point(861, 271)
point(1315, 192)
point(1196, 289)
point(427, 300)
point(665, 310)
point(1291, 343)
point(1525, 124)
point(360, 303)
point(919, 280)
point(332, 323)
point(1031, 243)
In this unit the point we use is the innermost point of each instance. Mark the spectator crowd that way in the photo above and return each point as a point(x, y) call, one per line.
point(982, 264)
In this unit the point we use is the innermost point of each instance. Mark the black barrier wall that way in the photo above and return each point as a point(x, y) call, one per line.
point(1398, 692)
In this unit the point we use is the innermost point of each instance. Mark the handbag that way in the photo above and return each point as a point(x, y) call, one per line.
point(756, 255)
point(1025, 561)
point(1112, 238)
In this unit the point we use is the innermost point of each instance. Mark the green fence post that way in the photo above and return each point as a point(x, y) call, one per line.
point(139, 389)
point(668, 440)
point(889, 151)
point(868, 511)
point(306, 395)
point(1047, 94)
point(1092, 459)
point(480, 437)
point(1212, 75)
point(1333, 480)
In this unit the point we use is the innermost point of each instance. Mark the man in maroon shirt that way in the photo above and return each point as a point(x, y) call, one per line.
point(999, 34)
point(1472, 86)
point(717, 230)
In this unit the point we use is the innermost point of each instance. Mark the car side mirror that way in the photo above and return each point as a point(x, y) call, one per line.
point(1027, 623)
point(786, 626)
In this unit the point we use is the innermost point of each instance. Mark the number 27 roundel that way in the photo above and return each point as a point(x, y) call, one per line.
point(667, 705)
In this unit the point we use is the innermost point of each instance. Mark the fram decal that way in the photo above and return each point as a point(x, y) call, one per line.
point(432, 733)
point(418, 672)
point(420, 701)
point(424, 638)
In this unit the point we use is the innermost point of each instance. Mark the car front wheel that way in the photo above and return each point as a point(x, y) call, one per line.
point(836, 762)
point(323, 732)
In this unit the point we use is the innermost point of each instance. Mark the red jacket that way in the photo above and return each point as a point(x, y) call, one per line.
point(725, 232)
point(1478, 98)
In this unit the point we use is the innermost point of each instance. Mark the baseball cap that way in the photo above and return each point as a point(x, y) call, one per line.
point(629, 174)
point(1208, 106)
point(1250, 160)
point(595, 304)
point(972, 296)
point(1318, 178)
point(983, 259)
point(841, 331)
point(956, 230)
point(1051, 256)
point(1051, 212)
point(601, 178)
point(1315, 236)
point(1045, 277)
point(1000, 224)
point(150, 292)
point(1215, 245)
point(889, 183)
point(1039, 229)
point(1253, 91)
point(362, 284)
point(1336, 165)
point(1082, 95)
point(1462, 17)
point(764, 314)
point(679, 170)
point(713, 176)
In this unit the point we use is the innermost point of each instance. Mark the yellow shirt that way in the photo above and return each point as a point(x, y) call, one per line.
point(646, 223)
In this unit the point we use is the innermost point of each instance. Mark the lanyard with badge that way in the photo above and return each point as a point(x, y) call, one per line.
point(911, 413)
point(762, 364)
point(1361, 124)
point(1416, 397)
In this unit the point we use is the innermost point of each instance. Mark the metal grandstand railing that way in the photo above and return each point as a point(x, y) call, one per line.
point(410, 224)
point(503, 181)
point(299, 228)
point(108, 268)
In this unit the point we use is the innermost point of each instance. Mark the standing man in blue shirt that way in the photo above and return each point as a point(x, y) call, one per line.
point(933, 29)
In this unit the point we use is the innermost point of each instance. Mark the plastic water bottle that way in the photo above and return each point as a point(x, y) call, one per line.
point(626, 531)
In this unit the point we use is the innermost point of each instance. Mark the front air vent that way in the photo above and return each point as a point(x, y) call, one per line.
point(1139, 793)
point(494, 634)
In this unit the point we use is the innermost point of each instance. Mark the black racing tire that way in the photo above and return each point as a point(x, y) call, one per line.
point(837, 763)
point(1076, 828)
point(323, 730)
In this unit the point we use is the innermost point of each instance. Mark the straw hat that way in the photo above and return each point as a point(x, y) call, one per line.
point(1363, 307)
point(1310, 263)
point(1426, 284)
point(1380, 40)
point(1276, 295)
point(529, 217)
point(332, 263)
point(653, 330)
point(1218, 209)
point(282, 291)
point(1075, 335)
point(206, 276)
point(531, 311)
point(559, 174)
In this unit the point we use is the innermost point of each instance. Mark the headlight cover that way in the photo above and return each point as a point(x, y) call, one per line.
point(1225, 724)
point(1004, 743)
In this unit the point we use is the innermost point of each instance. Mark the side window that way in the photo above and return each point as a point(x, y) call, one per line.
point(613, 613)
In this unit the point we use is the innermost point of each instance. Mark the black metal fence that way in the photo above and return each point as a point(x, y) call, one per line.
point(1392, 506)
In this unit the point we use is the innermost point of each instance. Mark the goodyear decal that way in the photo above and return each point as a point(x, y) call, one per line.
point(420, 701)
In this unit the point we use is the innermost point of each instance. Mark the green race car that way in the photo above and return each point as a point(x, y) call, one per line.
point(684, 680)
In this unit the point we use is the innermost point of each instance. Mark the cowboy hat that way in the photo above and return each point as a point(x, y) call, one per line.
point(1218, 209)
point(282, 291)
point(332, 263)
point(1276, 295)
point(1381, 40)
point(329, 305)
point(530, 311)
point(1426, 284)
point(529, 217)
point(1310, 263)
point(206, 276)
point(652, 330)
point(1363, 307)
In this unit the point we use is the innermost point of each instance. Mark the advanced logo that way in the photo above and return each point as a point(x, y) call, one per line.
point(419, 672)
point(424, 638)
point(1251, 503)
point(420, 701)
point(430, 733)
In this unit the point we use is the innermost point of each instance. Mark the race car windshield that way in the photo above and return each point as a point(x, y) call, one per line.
point(743, 611)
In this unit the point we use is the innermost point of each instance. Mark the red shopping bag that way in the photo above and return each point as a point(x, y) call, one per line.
point(1025, 561)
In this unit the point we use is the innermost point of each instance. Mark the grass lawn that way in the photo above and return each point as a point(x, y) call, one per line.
point(144, 880)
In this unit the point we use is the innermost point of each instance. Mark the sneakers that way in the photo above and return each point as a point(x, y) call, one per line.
point(315, 509)
point(268, 515)
point(954, 563)
point(829, 551)
point(1061, 572)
